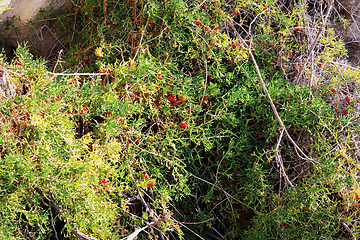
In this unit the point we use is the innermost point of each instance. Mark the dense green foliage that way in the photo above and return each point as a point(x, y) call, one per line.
point(169, 127)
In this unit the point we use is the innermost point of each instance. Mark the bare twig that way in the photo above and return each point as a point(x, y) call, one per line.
point(280, 162)
point(57, 209)
point(282, 126)
point(226, 193)
point(315, 40)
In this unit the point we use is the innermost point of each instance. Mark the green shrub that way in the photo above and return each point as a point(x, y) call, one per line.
point(160, 121)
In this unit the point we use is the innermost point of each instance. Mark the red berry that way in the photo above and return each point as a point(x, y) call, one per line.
point(206, 98)
point(19, 63)
point(37, 76)
point(333, 90)
point(71, 8)
point(218, 47)
point(144, 175)
point(159, 76)
point(296, 53)
point(234, 46)
point(345, 111)
point(305, 208)
point(164, 26)
point(84, 110)
point(77, 10)
point(347, 98)
point(297, 29)
point(27, 114)
point(137, 142)
point(156, 154)
point(235, 13)
point(215, 151)
point(105, 181)
point(183, 125)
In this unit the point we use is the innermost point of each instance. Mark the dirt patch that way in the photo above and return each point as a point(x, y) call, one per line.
point(38, 37)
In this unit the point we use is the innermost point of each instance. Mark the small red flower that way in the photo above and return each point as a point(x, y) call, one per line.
point(86, 58)
point(156, 154)
point(218, 47)
point(19, 63)
point(78, 10)
point(305, 208)
point(347, 98)
point(84, 110)
point(235, 12)
point(296, 53)
point(164, 26)
point(159, 76)
point(333, 90)
point(71, 8)
point(183, 125)
point(234, 46)
point(297, 29)
point(105, 181)
point(345, 111)
point(144, 175)
point(153, 184)
point(137, 142)
point(357, 197)
point(37, 76)
point(27, 114)
point(215, 27)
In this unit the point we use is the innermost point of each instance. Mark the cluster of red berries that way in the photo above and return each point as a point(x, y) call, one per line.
point(197, 22)
point(145, 175)
point(172, 98)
